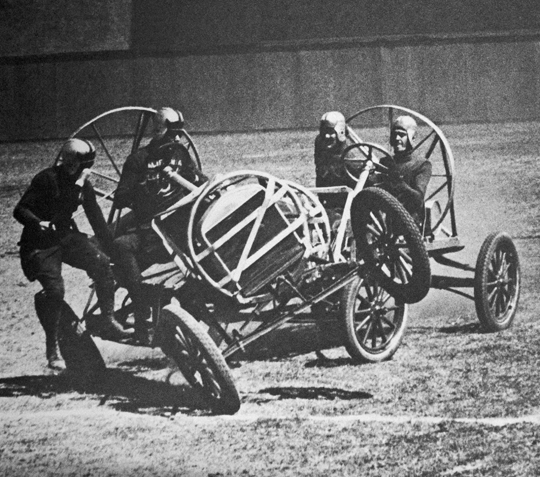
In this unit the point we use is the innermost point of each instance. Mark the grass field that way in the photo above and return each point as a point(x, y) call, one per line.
point(453, 401)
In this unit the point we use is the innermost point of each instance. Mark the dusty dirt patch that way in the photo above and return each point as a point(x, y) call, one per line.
point(134, 423)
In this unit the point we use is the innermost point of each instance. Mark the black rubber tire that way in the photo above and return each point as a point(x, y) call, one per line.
point(373, 322)
point(497, 282)
point(81, 355)
point(183, 339)
point(392, 246)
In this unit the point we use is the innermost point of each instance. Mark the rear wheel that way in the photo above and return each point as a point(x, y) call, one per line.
point(184, 340)
point(391, 244)
point(497, 282)
point(373, 321)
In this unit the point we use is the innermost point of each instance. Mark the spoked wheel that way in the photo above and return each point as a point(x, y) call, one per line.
point(183, 339)
point(116, 134)
point(373, 124)
point(80, 353)
point(374, 322)
point(497, 282)
point(391, 244)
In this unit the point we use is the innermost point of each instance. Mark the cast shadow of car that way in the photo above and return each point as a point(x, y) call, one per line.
point(119, 389)
point(123, 388)
point(463, 329)
point(312, 393)
point(469, 328)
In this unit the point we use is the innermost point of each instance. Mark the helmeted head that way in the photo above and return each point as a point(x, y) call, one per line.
point(76, 155)
point(402, 134)
point(168, 123)
point(333, 129)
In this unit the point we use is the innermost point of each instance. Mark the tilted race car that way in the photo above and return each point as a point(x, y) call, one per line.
point(258, 251)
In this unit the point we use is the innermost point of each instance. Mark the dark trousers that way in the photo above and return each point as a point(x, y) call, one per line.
point(132, 253)
point(45, 265)
point(75, 249)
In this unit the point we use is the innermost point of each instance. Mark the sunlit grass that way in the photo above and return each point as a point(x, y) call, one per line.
point(446, 366)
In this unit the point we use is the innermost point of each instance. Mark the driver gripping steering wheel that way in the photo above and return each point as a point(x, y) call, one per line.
point(145, 188)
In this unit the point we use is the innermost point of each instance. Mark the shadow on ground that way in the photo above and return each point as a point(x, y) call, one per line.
point(150, 386)
point(465, 329)
point(318, 393)
point(454, 329)
point(115, 388)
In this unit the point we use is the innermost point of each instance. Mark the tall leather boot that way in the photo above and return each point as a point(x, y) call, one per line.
point(128, 273)
point(49, 311)
point(109, 328)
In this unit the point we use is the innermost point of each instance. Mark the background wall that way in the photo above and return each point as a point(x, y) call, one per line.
point(245, 64)
point(38, 27)
point(175, 25)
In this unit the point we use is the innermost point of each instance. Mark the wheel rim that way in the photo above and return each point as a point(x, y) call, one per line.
point(115, 134)
point(377, 317)
point(502, 283)
point(388, 247)
point(374, 125)
point(193, 364)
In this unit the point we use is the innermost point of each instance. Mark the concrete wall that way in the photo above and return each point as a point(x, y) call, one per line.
point(39, 27)
point(454, 82)
point(262, 64)
point(174, 25)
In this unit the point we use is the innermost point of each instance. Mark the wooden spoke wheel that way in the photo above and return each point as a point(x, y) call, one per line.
point(497, 282)
point(183, 339)
point(373, 321)
point(391, 244)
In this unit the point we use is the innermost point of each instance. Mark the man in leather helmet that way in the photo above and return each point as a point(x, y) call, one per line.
point(329, 168)
point(408, 178)
point(50, 238)
point(146, 191)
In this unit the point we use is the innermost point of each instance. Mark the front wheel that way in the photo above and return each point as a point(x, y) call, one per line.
point(373, 321)
point(497, 282)
point(183, 339)
point(391, 244)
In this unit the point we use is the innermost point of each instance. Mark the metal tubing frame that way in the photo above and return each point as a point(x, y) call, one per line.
point(448, 157)
point(266, 328)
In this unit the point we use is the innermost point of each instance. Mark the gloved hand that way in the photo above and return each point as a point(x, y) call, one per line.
point(394, 176)
point(141, 187)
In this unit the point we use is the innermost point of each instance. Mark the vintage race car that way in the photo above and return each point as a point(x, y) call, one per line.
point(250, 252)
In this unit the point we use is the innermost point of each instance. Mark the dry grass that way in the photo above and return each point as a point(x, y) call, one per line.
point(292, 420)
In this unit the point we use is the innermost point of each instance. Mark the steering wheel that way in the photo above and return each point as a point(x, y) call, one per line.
point(356, 155)
point(172, 156)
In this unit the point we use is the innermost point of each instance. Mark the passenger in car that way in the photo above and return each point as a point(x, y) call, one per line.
point(329, 167)
point(407, 177)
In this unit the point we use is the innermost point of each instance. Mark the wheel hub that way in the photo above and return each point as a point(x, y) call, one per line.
point(377, 309)
point(501, 280)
